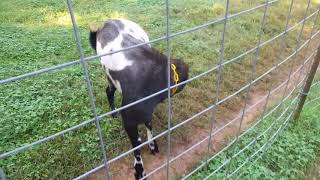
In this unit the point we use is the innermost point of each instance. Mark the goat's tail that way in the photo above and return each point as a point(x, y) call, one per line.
point(93, 36)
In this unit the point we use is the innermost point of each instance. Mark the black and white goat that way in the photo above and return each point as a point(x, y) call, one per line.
point(135, 73)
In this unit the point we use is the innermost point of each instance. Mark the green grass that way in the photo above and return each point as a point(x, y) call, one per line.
point(35, 34)
point(292, 154)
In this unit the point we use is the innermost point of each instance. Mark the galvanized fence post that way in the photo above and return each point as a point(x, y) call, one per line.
point(306, 88)
point(2, 175)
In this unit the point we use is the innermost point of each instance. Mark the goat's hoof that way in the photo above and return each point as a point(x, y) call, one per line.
point(140, 176)
point(154, 150)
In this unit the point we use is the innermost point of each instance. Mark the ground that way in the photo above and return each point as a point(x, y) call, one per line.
point(35, 34)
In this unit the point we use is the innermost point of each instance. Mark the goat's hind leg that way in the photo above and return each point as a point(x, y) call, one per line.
point(132, 132)
point(110, 90)
point(153, 144)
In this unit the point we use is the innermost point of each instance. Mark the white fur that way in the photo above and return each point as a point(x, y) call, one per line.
point(114, 62)
point(150, 136)
point(138, 162)
point(118, 61)
point(137, 33)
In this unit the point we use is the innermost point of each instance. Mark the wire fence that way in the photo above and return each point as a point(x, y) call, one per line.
point(278, 125)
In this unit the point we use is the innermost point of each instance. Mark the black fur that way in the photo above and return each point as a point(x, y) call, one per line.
point(93, 39)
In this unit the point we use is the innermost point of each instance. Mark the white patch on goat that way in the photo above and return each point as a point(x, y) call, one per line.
point(114, 82)
point(114, 62)
point(137, 162)
point(150, 136)
point(134, 30)
point(117, 61)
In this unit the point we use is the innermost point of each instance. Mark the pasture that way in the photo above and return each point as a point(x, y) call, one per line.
point(36, 34)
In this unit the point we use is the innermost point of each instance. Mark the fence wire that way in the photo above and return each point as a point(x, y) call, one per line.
point(282, 120)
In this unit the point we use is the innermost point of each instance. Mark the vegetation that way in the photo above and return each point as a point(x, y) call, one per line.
point(36, 34)
point(291, 155)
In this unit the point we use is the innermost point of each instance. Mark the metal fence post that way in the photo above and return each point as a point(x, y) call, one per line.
point(307, 85)
point(89, 88)
point(2, 175)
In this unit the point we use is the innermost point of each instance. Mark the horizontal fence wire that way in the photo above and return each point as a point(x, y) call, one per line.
point(312, 100)
point(266, 146)
point(164, 90)
point(316, 99)
point(264, 132)
point(218, 68)
point(263, 149)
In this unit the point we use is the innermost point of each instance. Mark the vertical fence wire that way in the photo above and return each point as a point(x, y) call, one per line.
point(218, 78)
point(273, 75)
point(252, 78)
point(277, 64)
point(169, 84)
point(89, 87)
point(293, 61)
point(308, 69)
point(291, 69)
point(229, 161)
point(263, 150)
point(269, 142)
point(295, 52)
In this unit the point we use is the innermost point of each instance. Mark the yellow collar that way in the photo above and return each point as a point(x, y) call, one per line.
point(175, 78)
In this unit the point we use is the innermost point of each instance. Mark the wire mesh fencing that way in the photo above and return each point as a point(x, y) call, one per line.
point(284, 108)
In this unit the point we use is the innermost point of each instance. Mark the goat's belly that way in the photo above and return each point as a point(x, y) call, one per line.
point(116, 62)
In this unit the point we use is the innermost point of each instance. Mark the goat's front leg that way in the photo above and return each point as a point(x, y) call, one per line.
point(110, 94)
point(132, 132)
point(153, 144)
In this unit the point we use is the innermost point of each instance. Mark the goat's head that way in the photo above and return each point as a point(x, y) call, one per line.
point(183, 72)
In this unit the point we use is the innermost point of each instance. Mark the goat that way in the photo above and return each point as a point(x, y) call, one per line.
point(135, 73)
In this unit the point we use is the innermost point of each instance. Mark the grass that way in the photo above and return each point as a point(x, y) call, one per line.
point(35, 34)
point(292, 154)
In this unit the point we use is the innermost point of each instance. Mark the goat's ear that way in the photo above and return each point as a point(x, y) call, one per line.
point(93, 36)
point(93, 27)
